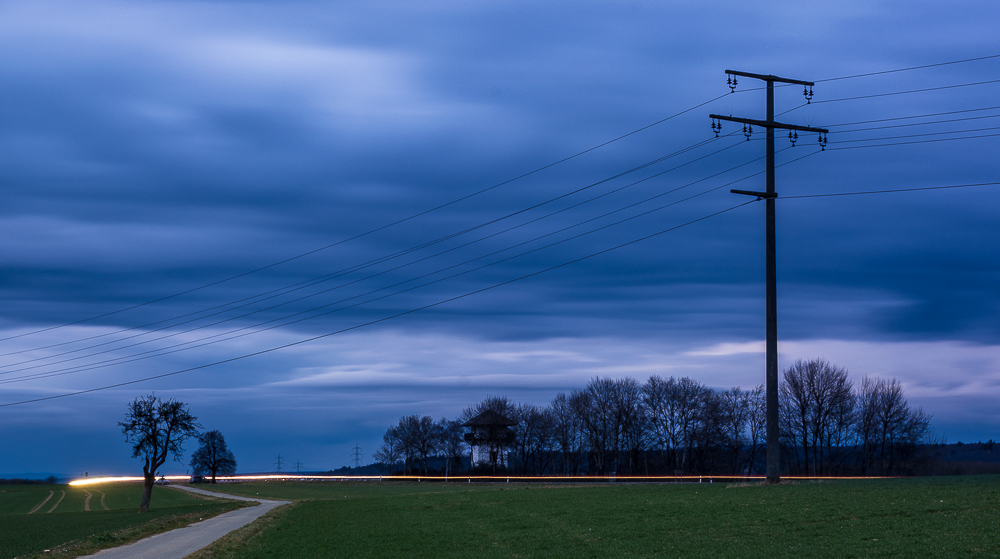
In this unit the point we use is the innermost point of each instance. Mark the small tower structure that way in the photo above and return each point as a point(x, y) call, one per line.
point(489, 433)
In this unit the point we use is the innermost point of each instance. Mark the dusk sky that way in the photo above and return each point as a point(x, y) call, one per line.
point(188, 183)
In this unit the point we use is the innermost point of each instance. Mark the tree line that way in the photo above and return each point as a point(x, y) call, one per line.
point(828, 426)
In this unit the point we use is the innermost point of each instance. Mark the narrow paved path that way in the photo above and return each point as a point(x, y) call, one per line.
point(182, 542)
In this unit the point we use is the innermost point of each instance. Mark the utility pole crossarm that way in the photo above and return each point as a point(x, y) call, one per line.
point(768, 78)
point(759, 195)
point(766, 124)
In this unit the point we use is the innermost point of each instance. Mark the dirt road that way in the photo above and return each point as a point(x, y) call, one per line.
point(181, 542)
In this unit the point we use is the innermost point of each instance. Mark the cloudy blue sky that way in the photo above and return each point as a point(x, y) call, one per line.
point(358, 158)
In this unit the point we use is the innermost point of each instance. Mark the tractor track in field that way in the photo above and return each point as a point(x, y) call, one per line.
point(62, 495)
point(42, 504)
point(86, 502)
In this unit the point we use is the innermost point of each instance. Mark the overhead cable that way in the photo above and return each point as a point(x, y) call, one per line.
point(380, 320)
point(874, 95)
point(892, 190)
point(833, 147)
point(924, 66)
point(187, 345)
point(234, 305)
point(370, 231)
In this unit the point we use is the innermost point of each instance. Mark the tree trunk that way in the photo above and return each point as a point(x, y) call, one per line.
point(147, 491)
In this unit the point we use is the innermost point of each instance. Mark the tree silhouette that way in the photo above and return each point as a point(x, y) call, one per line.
point(213, 457)
point(156, 429)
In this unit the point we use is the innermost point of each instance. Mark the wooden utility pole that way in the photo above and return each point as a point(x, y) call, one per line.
point(771, 367)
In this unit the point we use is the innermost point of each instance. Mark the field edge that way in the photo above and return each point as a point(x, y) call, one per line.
point(110, 539)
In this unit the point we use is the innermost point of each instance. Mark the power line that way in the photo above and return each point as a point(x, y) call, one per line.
point(412, 279)
point(165, 351)
point(211, 284)
point(180, 347)
point(916, 135)
point(910, 68)
point(873, 95)
point(911, 124)
point(647, 127)
point(881, 72)
point(914, 189)
point(257, 298)
point(162, 351)
point(371, 231)
point(870, 96)
point(457, 200)
point(513, 280)
point(322, 279)
point(912, 116)
point(966, 131)
point(832, 148)
point(386, 318)
point(928, 123)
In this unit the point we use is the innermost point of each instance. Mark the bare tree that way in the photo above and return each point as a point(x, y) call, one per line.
point(533, 438)
point(156, 429)
point(418, 440)
point(213, 456)
point(736, 408)
point(544, 442)
point(658, 400)
point(708, 438)
point(425, 439)
point(675, 412)
point(817, 395)
point(887, 428)
point(795, 407)
point(756, 422)
point(633, 432)
point(391, 450)
point(498, 404)
point(840, 432)
point(450, 442)
point(595, 407)
point(566, 434)
point(687, 399)
point(831, 393)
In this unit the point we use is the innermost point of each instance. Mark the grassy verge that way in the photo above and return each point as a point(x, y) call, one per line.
point(70, 531)
point(243, 538)
point(938, 517)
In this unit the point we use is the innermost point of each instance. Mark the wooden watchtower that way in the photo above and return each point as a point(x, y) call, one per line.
point(490, 433)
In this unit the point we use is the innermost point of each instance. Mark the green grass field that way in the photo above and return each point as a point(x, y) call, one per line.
point(112, 519)
point(926, 517)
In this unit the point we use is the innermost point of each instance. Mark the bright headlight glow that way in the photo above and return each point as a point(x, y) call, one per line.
point(111, 479)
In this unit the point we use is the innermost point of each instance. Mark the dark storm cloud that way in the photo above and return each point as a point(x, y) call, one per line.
point(150, 148)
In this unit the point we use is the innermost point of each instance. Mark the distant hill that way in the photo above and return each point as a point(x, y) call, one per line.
point(969, 452)
point(966, 458)
point(36, 476)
